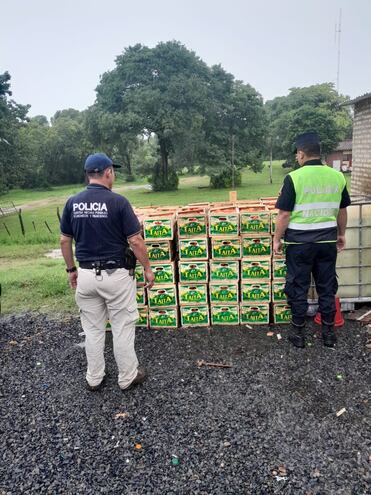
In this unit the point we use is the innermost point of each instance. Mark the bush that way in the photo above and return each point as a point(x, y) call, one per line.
point(160, 182)
point(224, 179)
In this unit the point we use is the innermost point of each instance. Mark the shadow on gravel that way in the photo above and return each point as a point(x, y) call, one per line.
point(268, 425)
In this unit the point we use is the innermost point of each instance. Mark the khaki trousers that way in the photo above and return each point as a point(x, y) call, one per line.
point(112, 296)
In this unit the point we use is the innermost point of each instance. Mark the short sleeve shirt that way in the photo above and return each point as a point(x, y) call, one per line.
point(287, 197)
point(101, 222)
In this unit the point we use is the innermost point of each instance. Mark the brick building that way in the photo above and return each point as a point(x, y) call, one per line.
point(361, 173)
point(341, 158)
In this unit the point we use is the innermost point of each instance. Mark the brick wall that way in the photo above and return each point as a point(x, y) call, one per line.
point(361, 175)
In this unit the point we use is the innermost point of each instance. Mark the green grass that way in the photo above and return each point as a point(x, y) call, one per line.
point(30, 281)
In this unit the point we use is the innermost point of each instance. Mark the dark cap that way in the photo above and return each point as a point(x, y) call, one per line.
point(98, 162)
point(305, 139)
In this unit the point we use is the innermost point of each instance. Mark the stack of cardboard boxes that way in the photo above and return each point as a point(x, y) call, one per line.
point(213, 265)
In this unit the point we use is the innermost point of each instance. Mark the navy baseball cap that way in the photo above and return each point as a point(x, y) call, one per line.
point(98, 162)
point(305, 139)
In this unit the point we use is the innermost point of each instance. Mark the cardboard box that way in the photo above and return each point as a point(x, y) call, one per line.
point(162, 296)
point(256, 269)
point(163, 318)
point(274, 214)
point(141, 296)
point(194, 316)
point(278, 291)
point(224, 293)
point(256, 246)
point(225, 315)
point(254, 314)
point(139, 274)
point(226, 249)
point(254, 292)
point(281, 313)
point(191, 224)
point(158, 228)
point(279, 268)
point(193, 271)
point(190, 294)
point(227, 271)
point(164, 273)
point(224, 223)
point(193, 249)
point(159, 251)
point(143, 317)
point(258, 222)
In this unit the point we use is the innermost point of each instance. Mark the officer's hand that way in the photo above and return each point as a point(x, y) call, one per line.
point(340, 243)
point(277, 246)
point(149, 277)
point(72, 279)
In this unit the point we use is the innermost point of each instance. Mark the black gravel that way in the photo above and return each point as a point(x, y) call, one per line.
point(267, 425)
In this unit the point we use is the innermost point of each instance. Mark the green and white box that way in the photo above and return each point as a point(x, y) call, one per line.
point(224, 271)
point(278, 291)
point(162, 296)
point(158, 228)
point(225, 315)
point(281, 313)
point(255, 222)
point(139, 274)
point(193, 249)
point(254, 314)
point(193, 271)
point(159, 251)
point(191, 294)
point(279, 268)
point(221, 224)
point(256, 269)
point(194, 316)
point(224, 293)
point(143, 317)
point(256, 246)
point(163, 318)
point(226, 249)
point(192, 226)
point(141, 296)
point(164, 273)
point(253, 292)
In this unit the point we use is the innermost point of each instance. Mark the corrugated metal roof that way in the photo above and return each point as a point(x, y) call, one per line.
point(358, 99)
point(344, 145)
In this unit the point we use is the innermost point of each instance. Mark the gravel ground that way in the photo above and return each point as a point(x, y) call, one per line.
point(267, 425)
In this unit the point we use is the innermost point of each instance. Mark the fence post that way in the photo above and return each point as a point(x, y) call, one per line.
point(58, 214)
point(34, 226)
point(21, 221)
point(6, 228)
point(46, 223)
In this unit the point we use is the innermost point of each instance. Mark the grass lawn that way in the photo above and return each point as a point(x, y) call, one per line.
point(30, 281)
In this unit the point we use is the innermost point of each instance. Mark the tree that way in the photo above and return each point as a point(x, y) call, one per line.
point(161, 91)
point(12, 117)
point(314, 108)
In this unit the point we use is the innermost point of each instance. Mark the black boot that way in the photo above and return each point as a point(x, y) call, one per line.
point(297, 335)
point(328, 335)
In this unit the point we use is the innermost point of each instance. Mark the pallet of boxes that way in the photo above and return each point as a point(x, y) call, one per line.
point(159, 309)
point(193, 252)
point(224, 264)
point(281, 312)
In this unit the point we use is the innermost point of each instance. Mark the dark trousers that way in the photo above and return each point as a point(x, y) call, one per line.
point(303, 260)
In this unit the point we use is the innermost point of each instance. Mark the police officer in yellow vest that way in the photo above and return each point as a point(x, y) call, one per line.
point(312, 219)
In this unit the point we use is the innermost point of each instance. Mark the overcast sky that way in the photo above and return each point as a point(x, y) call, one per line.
point(55, 50)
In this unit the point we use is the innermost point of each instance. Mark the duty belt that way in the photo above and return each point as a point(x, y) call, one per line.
point(98, 266)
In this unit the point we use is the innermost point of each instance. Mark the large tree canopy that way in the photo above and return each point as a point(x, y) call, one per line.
point(314, 108)
point(193, 110)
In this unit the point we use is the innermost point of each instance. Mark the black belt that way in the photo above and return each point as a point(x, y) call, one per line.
point(102, 265)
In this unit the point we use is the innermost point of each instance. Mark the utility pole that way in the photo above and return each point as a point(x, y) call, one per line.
point(338, 38)
point(232, 160)
point(270, 162)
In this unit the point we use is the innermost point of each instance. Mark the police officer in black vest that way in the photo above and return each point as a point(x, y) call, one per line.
point(107, 237)
point(312, 219)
